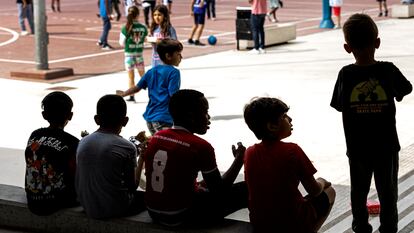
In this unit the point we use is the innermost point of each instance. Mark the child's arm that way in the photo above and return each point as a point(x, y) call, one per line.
point(122, 39)
point(315, 187)
point(128, 92)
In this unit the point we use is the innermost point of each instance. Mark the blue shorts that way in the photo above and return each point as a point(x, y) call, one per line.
point(199, 18)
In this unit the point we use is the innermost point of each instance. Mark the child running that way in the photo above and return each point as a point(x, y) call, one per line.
point(273, 170)
point(132, 37)
point(160, 28)
point(162, 82)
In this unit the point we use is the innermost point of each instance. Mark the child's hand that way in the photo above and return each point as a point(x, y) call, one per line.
point(325, 183)
point(239, 152)
point(119, 92)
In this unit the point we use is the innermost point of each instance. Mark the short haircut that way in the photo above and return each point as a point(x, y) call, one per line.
point(360, 31)
point(111, 110)
point(184, 102)
point(57, 107)
point(169, 46)
point(261, 111)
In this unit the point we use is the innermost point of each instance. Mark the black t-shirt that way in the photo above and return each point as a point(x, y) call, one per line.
point(50, 170)
point(365, 96)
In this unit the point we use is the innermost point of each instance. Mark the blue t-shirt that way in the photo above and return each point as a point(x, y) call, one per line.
point(197, 9)
point(162, 82)
point(102, 8)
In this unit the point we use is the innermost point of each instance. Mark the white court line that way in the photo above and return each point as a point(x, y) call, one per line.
point(13, 39)
point(86, 56)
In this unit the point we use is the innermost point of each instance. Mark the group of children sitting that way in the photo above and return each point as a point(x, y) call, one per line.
point(100, 171)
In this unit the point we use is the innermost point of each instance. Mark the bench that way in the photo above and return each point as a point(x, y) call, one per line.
point(402, 10)
point(274, 34)
point(15, 214)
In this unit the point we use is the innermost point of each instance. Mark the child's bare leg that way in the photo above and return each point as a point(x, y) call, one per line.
point(380, 8)
point(193, 30)
point(131, 80)
point(199, 31)
point(385, 8)
point(330, 192)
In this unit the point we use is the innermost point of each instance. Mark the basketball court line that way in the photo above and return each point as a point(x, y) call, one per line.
point(13, 39)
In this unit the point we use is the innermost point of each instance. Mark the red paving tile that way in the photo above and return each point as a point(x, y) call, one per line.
point(74, 32)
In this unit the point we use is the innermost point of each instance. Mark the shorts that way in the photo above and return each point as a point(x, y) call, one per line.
point(199, 18)
point(156, 126)
point(320, 204)
point(336, 10)
point(134, 62)
point(381, 0)
point(165, 2)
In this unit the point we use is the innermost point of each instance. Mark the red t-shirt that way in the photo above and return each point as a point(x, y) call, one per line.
point(273, 170)
point(172, 162)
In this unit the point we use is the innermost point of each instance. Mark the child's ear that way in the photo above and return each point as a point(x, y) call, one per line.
point(70, 116)
point(272, 127)
point(347, 48)
point(97, 119)
point(125, 121)
point(377, 43)
point(44, 114)
point(168, 56)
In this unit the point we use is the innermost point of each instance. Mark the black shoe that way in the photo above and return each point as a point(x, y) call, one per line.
point(53, 8)
point(197, 42)
point(131, 98)
point(107, 47)
point(118, 17)
point(281, 4)
point(380, 14)
point(190, 41)
point(386, 13)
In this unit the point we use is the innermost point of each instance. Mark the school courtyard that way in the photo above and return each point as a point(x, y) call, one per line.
point(301, 72)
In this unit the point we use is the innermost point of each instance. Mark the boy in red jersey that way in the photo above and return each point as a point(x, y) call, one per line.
point(273, 171)
point(172, 162)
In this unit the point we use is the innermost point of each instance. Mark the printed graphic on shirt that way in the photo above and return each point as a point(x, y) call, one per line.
point(368, 97)
point(41, 176)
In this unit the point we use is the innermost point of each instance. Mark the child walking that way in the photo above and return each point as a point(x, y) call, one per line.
point(132, 37)
point(274, 6)
point(198, 11)
point(273, 170)
point(160, 28)
point(51, 159)
point(381, 4)
point(162, 82)
point(336, 10)
point(364, 92)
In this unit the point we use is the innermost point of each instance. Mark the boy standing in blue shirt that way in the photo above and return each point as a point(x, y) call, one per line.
point(162, 82)
point(364, 92)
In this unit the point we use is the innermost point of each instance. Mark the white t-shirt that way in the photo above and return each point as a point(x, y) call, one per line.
point(335, 3)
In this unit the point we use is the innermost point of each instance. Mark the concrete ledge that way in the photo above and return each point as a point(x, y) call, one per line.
point(402, 10)
point(274, 34)
point(15, 214)
point(42, 74)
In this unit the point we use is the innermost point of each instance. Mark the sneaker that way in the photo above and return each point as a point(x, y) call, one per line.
point(337, 27)
point(131, 98)
point(213, 19)
point(24, 33)
point(281, 4)
point(190, 41)
point(254, 51)
point(99, 43)
point(386, 13)
point(262, 51)
point(107, 47)
point(198, 43)
point(380, 14)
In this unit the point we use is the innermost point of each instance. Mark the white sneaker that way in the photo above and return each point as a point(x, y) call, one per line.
point(262, 51)
point(254, 51)
point(24, 33)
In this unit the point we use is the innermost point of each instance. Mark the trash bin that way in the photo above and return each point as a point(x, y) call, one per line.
point(243, 26)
